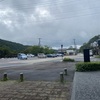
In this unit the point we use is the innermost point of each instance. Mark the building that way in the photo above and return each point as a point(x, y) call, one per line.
point(70, 52)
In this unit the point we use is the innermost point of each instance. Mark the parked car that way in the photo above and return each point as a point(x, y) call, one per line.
point(21, 56)
point(49, 55)
point(30, 55)
point(54, 55)
point(59, 54)
point(41, 55)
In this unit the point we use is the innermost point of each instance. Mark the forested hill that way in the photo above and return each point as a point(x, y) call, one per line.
point(88, 44)
point(11, 49)
point(12, 45)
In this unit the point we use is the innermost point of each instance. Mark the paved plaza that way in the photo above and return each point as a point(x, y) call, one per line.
point(35, 90)
point(42, 82)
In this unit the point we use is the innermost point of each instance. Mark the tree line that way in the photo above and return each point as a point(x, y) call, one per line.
point(8, 52)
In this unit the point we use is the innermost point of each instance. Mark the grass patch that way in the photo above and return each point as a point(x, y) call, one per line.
point(97, 56)
point(68, 60)
point(87, 66)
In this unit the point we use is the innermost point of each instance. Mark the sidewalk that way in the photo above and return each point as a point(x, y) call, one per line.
point(35, 90)
point(86, 86)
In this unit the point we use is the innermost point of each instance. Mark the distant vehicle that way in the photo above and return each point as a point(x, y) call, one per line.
point(91, 52)
point(22, 56)
point(30, 55)
point(52, 55)
point(49, 55)
point(59, 54)
point(41, 55)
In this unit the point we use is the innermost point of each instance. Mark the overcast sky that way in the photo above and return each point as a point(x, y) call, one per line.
point(56, 22)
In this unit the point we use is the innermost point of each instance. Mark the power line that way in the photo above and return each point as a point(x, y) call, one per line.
point(51, 5)
point(68, 17)
point(61, 18)
point(73, 11)
point(30, 7)
point(1, 0)
point(72, 16)
point(47, 3)
point(84, 9)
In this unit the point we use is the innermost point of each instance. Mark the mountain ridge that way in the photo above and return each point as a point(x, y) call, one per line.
point(12, 45)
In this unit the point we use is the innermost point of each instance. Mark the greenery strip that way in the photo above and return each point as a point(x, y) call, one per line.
point(88, 66)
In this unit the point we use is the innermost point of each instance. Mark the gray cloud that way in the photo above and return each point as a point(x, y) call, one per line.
point(56, 22)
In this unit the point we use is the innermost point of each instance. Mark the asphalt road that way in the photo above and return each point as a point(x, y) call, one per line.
point(9, 62)
point(38, 69)
point(42, 71)
point(80, 57)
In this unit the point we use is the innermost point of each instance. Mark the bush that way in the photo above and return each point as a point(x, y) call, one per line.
point(88, 66)
point(97, 56)
point(68, 60)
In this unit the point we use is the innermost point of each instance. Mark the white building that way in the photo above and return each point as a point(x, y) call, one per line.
point(70, 52)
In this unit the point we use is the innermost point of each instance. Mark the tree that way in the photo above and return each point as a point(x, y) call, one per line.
point(48, 50)
point(38, 49)
point(4, 52)
point(88, 44)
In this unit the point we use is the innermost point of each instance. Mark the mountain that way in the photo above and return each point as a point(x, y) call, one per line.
point(12, 45)
point(88, 44)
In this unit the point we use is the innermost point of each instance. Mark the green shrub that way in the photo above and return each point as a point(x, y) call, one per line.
point(88, 66)
point(68, 60)
point(98, 56)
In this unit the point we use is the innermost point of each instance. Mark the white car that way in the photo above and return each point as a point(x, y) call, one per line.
point(41, 55)
point(59, 54)
point(30, 55)
point(22, 56)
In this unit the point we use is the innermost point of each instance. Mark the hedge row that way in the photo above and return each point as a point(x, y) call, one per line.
point(88, 66)
point(97, 56)
point(68, 60)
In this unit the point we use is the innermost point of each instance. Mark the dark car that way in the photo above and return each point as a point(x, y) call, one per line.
point(49, 55)
point(54, 55)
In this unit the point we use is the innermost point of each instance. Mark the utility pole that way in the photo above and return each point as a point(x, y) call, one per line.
point(62, 51)
point(39, 42)
point(75, 46)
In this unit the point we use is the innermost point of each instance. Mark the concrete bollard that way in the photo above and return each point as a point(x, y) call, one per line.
point(21, 77)
point(5, 78)
point(61, 77)
point(65, 71)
